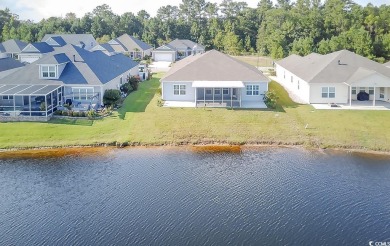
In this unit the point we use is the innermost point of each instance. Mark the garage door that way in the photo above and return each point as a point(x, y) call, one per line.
point(29, 59)
point(163, 57)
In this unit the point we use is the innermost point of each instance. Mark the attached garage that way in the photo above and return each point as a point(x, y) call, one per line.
point(164, 56)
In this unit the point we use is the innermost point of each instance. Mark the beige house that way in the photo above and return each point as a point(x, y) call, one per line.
point(337, 78)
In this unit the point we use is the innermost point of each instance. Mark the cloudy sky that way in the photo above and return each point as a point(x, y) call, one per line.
point(38, 9)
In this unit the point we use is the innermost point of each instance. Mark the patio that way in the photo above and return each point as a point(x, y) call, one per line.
point(356, 105)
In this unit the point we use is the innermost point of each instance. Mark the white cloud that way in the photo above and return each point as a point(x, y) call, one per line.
point(38, 9)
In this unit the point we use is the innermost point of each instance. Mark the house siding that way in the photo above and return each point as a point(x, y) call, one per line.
point(167, 92)
point(263, 87)
point(341, 96)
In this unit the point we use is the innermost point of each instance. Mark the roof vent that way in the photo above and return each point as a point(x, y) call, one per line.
point(339, 62)
point(74, 58)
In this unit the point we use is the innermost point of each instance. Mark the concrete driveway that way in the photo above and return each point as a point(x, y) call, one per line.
point(160, 66)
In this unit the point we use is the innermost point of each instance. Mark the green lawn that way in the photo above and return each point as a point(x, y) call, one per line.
point(141, 121)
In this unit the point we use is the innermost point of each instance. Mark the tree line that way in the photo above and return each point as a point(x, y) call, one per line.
point(275, 30)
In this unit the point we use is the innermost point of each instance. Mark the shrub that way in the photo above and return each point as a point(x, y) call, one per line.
point(65, 113)
point(67, 106)
point(58, 112)
point(42, 107)
point(91, 114)
point(111, 97)
point(134, 82)
point(82, 114)
point(270, 99)
point(75, 114)
point(126, 88)
point(272, 72)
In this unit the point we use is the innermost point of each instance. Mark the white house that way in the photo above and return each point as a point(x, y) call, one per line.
point(213, 79)
point(176, 50)
point(67, 75)
point(337, 78)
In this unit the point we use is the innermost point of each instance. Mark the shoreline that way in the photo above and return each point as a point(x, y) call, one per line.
point(210, 146)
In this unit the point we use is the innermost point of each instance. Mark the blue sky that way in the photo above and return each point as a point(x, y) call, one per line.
point(38, 9)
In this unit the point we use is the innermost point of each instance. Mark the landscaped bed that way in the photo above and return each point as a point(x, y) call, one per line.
point(141, 122)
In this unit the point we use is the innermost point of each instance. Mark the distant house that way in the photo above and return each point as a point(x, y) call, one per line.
point(176, 50)
point(9, 65)
point(338, 77)
point(12, 48)
point(85, 41)
point(70, 75)
point(126, 44)
point(213, 79)
point(34, 51)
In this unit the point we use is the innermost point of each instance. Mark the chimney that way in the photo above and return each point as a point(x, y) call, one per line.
point(74, 58)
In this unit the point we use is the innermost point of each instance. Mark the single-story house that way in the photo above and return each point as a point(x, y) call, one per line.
point(35, 51)
point(9, 65)
point(176, 50)
point(12, 48)
point(214, 79)
point(336, 78)
point(69, 75)
point(85, 41)
point(126, 44)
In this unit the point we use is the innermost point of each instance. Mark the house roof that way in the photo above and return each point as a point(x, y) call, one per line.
point(336, 67)
point(82, 67)
point(166, 47)
point(39, 47)
point(9, 63)
point(12, 46)
point(59, 40)
point(75, 39)
point(184, 44)
point(213, 66)
point(123, 44)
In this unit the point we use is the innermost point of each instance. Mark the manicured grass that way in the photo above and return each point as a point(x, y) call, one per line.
point(141, 121)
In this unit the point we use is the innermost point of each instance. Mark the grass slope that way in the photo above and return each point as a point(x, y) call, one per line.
point(141, 121)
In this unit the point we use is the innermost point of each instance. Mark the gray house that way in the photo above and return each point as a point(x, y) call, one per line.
point(67, 75)
point(176, 50)
point(126, 44)
point(35, 51)
point(12, 48)
point(213, 79)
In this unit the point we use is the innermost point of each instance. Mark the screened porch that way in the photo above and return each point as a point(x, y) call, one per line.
point(29, 100)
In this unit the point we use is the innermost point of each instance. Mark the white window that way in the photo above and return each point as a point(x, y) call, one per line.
point(179, 90)
point(225, 91)
point(217, 91)
point(353, 90)
point(371, 90)
point(252, 90)
point(8, 97)
point(209, 92)
point(328, 92)
point(362, 89)
point(80, 93)
point(48, 71)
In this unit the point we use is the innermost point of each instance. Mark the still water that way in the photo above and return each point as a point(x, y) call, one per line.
point(163, 196)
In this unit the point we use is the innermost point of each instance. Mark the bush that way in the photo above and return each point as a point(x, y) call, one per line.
point(91, 114)
point(111, 97)
point(75, 114)
point(134, 82)
point(82, 114)
point(126, 88)
point(58, 112)
point(270, 99)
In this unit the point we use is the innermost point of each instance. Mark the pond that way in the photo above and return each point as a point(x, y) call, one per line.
point(187, 196)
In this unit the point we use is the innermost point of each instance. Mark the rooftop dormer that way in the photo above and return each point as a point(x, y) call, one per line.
point(51, 67)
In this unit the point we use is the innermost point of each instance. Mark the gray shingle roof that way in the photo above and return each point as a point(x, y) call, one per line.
point(336, 67)
point(39, 47)
point(59, 40)
point(9, 63)
point(184, 44)
point(213, 66)
point(125, 43)
point(166, 47)
point(75, 39)
point(12, 46)
point(54, 59)
point(93, 68)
